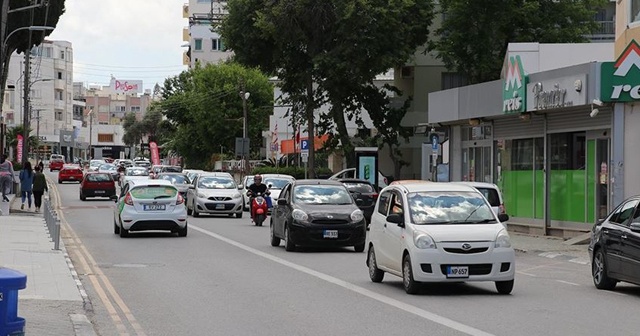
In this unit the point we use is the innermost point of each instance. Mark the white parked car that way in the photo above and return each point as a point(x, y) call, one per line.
point(492, 193)
point(214, 193)
point(276, 182)
point(439, 232)
point(244, 187)
point(351, 173)
point(144, 205)
point(94, 165)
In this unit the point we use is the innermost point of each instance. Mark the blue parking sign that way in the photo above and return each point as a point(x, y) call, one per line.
point(304, 144)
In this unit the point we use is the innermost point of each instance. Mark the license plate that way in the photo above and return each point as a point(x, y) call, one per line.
point(99, 191)
point(330, 234)
point(457, 272)
point(219, 206)
point(153, 207)
point(72, 178)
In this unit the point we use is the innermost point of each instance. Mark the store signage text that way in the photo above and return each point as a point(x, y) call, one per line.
point(553, 98)
point(514, 87)
point(620, 80)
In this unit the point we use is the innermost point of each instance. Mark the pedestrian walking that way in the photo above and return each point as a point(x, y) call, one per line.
point(39, 187)
point(26, 184)
point(41, 165)
point(6, 176)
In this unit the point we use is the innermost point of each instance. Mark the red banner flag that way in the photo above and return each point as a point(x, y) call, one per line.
point(20, 140)
point(155, 156)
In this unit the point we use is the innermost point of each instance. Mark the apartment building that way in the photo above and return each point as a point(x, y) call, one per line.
point(50, 104)
point(202, 44)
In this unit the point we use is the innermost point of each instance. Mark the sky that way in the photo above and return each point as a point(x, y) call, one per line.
point(129, 39)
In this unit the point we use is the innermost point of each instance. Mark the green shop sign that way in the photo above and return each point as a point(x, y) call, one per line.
point(620, 80)
point(515, 85)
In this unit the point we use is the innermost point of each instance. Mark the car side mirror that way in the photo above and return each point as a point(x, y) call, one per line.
point(191, 186)
point(270, 185)
point(282, 201)
point(635, 226)
point(240, 187)
point(396, 218)
point(503, 217)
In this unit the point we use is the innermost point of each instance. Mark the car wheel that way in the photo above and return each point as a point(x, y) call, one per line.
point(410, 285)
point(195, 211)
point(359, 248)
point(504, 287)
point(124, 233)
point(599, 272)
point(375, 273)
point(239, 214)
point(82, 197)
point(116, 228)
point(289, 246)
point(59, 181)
point(275, 241)
point(183, 232)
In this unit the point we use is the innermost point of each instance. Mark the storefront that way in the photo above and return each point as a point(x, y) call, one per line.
point(536, 138)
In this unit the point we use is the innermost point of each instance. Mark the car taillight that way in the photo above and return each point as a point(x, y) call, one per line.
point(503, 210)
point(128, 200)
point(375, 196)
point(180, 199)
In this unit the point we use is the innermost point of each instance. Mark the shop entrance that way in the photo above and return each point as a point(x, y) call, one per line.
point(602, 162)
point(477, 154)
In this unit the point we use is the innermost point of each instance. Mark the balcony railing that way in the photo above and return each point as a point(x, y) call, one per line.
point(606, 31)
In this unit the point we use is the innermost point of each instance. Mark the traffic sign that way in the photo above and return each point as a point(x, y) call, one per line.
point(435, 141)
point(304, 154)
point(305, 158)
point(304, 145)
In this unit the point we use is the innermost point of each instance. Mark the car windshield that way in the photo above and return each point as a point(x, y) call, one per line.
point(95, 163)
point(172, 169)
point(363, 188)
point(276, 183)
point(143, 164)
point(491, 195)
point(137, 172)
point(175, 178)
point(98, 178)
point(107, 167)
point(448, 207)
point(153, 192)
point(215, 182)
point(321, 194)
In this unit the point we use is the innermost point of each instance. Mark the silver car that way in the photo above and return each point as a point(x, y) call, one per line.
point(214, 193)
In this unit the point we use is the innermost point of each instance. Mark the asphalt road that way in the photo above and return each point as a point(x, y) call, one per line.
point(225, 279)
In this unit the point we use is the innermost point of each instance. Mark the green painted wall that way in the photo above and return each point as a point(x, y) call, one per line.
point(567, 195)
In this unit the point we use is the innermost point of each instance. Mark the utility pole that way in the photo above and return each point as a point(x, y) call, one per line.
point(91, 135)
point(38, 137)
point(25, 102)
point(245, 129)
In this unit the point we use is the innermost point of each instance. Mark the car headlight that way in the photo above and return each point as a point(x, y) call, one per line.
point(236, 196)
point(503, 239)
point(201, 195)
point(423, 241)
point(299, 215)
point(357, 216)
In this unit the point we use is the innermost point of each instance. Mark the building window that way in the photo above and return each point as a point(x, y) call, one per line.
point(61, 54)
point(567, 151)
point(121, 108)
point(452, 80)
point(105, 137)
point(198, 44)
point(634, 14)
point(59, 115)
point(135, 108)
point(214, 44)
point(59, 74)
point(59, 95)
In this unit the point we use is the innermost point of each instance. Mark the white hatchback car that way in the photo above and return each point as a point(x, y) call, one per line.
point(149, 205)
point(492, 193)
point(214, 193)
point(439, 232)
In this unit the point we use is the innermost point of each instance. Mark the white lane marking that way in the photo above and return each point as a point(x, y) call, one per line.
point(568, 283)
point(529, 274)
point(384, 299)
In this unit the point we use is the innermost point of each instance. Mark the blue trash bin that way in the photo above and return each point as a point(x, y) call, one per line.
point(11, 281)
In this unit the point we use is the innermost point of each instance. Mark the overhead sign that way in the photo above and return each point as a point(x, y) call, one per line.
point(126, 86)
point(620, 80)
point(514, 87)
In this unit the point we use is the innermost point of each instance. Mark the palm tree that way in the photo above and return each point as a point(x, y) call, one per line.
point(12, 138)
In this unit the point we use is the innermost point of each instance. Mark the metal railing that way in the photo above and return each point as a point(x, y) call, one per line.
point(52, 220)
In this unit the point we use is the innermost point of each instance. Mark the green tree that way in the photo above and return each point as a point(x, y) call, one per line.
point(132, 130)
point(204, 106)
point(12, 138)
point(325, 51)
point(474, 35)
point(46, 15)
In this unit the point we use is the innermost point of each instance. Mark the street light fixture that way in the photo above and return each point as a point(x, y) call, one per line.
point(244, 95)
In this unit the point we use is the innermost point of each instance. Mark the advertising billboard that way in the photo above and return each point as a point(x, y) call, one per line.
point(126, 86)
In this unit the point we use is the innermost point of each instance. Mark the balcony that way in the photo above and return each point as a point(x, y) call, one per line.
point(186, 36)
point(60, 84)
point(185, 11)
point(606, 31)
point(60, 105)
point(59, 63)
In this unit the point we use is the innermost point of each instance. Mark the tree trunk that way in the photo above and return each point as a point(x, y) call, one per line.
point(309, 107)
point(343, 134)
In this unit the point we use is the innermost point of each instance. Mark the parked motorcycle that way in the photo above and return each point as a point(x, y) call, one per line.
point(259, 209)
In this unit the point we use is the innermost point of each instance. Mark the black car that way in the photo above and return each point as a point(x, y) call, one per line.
point(365, 191)
point(615, 246)
point(317, 213)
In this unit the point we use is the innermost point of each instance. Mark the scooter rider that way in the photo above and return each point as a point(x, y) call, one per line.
point(255, 188)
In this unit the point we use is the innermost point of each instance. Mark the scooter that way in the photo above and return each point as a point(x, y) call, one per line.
point(259, 209)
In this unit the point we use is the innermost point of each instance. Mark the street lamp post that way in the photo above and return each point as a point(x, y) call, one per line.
point(244, 95)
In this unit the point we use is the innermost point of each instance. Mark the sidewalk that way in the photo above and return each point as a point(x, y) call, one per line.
point(51, 304)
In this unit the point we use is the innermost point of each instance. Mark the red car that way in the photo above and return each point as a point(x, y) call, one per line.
point(56, 164)
point(71, 173)
point(97, 184)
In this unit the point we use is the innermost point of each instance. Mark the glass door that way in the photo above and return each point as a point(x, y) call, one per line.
point(602, 182)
